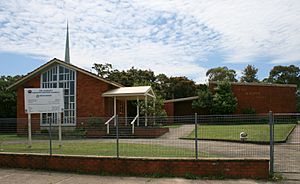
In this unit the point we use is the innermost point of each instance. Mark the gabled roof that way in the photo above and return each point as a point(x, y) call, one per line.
point(52, 62)
point(130, 92)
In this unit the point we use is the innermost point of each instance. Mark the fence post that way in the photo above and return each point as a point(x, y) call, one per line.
point(271, 123)
point(117, 134)
point(196, 136)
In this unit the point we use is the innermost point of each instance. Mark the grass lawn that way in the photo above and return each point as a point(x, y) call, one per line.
point(103, 149)
point(257, 133)
point(10, 137)
point(15, 137)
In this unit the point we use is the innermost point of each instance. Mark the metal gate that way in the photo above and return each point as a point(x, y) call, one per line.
point(287, 154)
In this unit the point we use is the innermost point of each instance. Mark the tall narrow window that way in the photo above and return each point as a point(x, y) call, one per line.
point(61, 77)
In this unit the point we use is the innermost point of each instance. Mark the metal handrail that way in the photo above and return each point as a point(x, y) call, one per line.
point(107, 123)
point(132, 123)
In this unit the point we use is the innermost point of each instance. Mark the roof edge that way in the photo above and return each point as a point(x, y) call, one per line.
point(55, 60)
point(182, 99)
point(258, 84)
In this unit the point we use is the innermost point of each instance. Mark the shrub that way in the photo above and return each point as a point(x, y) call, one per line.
point(224, 102)
point(44, 131)
point(249, 110)
point(95, 122)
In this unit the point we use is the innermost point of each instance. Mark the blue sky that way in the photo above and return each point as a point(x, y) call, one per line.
point(175, 37)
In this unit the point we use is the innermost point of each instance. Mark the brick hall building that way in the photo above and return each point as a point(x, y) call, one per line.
point(261, 97)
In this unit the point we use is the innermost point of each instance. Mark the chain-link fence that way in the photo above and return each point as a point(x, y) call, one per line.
point(197, 136)
point(287, 153)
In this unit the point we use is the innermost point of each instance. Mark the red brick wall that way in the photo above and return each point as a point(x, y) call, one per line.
point(265, 98)
point(182, 108)
point(169, 107)
point(89, 98)
point(231, 168)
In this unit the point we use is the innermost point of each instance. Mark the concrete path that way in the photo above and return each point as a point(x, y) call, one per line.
point(295, 136)
point(17, 176)
point(176, 133)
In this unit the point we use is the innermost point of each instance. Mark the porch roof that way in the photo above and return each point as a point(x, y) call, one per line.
point(130, 93)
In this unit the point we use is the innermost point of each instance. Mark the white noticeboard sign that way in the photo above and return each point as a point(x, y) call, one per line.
point(44, 100)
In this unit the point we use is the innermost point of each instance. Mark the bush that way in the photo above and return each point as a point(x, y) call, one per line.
point(95, 122)
point(44, 131)
point(249, 110)
point(224, 102)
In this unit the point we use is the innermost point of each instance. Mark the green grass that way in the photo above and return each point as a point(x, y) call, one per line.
point(103, 149)
point(256, 133)
point(15, 137)
point(10, 137)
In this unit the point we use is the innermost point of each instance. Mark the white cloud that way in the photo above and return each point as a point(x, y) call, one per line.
point(165, 36)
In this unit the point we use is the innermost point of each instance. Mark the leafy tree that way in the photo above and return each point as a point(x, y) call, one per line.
point(162, 84)
point(204, 101)
point(180, 87)
point(223, 102)
point(285, 75)
point(221, 74)
point(158, 109)
point(249, 74)
point(103, 70)
point(8, 99)
point(167, 88)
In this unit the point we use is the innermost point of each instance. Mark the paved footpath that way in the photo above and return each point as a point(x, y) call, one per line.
point(295, 136)
point(18, 176)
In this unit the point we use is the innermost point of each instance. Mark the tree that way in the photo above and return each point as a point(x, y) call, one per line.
point(249, 74)
point(103, 70)
point(285, 75)
point(180, 87)
point(204, 101)
point(223, 102)
point(167, 88)
point(221, 74)
point(162, 85)
point(8, 99)
point(157, 110)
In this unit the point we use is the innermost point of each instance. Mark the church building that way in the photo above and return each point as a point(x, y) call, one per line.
point(85, 94)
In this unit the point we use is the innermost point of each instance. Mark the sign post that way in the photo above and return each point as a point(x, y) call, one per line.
point(43, 100)
point(29, 131)
point(59, 129)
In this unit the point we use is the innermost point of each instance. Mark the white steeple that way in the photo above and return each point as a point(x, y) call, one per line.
point(67, 50)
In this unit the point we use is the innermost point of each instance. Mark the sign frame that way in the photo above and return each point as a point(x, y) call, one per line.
point(44, 100)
